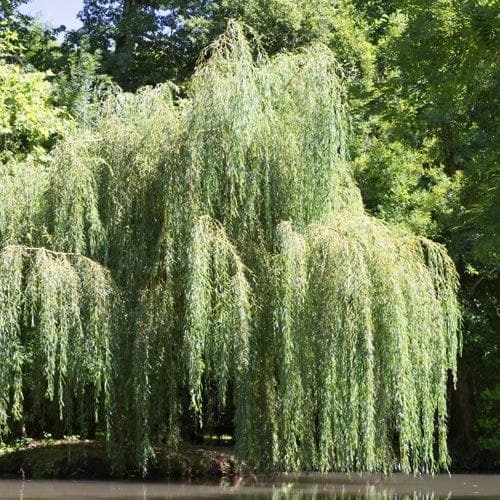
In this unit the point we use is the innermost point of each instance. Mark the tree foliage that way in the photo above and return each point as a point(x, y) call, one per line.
point(428, 155)
point(133, 37)
point(29, 123)
point(190, 251)
point(146, 42)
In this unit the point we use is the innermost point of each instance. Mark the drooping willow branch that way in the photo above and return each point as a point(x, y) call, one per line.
point(54, 327)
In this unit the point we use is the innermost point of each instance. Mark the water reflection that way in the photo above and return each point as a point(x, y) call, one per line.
point(296, 487)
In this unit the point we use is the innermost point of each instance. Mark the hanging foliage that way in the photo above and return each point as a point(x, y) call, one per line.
point(212, 251)
point(55, 330)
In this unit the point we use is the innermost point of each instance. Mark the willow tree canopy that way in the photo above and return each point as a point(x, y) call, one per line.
point(212, 251)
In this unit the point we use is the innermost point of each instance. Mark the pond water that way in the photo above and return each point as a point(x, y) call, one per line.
point(293, 486)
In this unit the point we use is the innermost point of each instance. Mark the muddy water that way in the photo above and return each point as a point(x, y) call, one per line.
point(293, 486)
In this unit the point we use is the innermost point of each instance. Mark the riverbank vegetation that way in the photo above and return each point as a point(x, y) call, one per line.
point(275, 243)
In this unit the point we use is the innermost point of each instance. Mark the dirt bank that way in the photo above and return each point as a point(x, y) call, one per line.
point(71, 459)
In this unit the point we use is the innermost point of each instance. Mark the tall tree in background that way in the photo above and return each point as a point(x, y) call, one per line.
point(38, 46)
point(30, 124)
point(133, 37)
point(147, 42)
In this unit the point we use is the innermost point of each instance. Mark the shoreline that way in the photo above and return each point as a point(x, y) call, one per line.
point(85, 459)
point(76, 459)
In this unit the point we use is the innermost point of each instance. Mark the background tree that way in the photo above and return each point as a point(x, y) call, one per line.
point(37, 45)
point(29, 122)
point(133, 37)
point(146, 42)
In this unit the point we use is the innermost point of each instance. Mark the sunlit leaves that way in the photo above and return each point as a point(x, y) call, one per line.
point(243, 266)
point(55, 328)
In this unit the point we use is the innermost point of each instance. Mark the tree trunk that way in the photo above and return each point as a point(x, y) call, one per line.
point(125, 42)
point(461, 433)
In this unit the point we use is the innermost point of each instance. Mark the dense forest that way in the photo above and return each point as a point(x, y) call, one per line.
point(274, 219)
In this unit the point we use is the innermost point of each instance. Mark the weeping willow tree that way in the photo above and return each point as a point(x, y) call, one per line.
point(207, 254)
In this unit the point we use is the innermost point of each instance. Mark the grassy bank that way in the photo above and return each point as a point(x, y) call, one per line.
point(77, 459)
